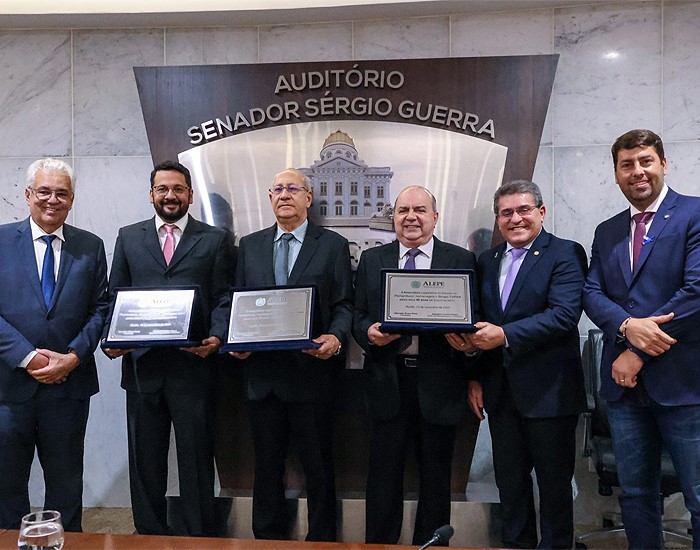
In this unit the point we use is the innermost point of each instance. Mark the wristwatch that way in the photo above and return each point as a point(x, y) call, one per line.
point(340, 348)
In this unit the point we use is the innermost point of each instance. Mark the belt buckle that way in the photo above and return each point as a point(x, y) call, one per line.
point(411, 362)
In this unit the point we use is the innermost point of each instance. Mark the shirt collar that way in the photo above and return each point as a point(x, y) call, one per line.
point(654, 206)
point(299, 233)
point(426, 248)
point(180, 224)
point(38, 232)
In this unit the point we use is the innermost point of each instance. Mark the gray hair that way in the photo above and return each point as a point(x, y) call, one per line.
point(49, 165)
point(517, 187)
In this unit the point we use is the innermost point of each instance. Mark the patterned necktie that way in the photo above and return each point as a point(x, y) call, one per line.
point(640, 231)
point(282, 259)
point(517, 253)
point(411, 258)
point(169, 244)
point(48, 277)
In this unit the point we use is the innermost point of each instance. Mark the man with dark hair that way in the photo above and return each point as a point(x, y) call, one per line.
point(643, 291)
point(170, 386)
point(53, 303)
point(417, 385)
point(529, 375)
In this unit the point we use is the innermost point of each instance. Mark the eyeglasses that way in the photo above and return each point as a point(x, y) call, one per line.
point(293, 189)
point(522, 211)
point(44, 194)
point(162, 190)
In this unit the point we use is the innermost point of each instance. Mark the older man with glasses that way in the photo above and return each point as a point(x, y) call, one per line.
point(292, 392)
point(53, 303)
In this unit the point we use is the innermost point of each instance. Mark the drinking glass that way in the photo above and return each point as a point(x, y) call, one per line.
point(41, 531)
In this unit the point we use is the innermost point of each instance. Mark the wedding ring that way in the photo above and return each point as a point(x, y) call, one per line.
point(622, 380)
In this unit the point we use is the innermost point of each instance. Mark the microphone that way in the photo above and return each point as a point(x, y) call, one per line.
point(441, 535)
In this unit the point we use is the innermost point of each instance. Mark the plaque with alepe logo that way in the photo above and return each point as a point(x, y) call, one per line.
point(427, 300)
point(273, 318)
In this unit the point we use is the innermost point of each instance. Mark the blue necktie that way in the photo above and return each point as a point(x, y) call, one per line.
point(282, 259)
point(48, 280)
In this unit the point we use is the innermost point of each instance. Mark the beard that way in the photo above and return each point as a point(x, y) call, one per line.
point(171, 215)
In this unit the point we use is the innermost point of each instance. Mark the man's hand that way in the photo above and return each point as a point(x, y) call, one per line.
point(329, 345)
point(626, 367)
point(240, 354)
point(646, 335)
point(57, 369)
point(113, 353)
point(209, 345)
point(379, 338)
point(476, 399)
point(461, 342)
point(487, 336)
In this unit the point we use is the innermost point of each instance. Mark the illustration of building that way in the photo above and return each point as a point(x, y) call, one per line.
point(347, 192)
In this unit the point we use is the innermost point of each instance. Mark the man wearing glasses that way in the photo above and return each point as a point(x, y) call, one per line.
point(529, 376)
point(292, 392)
point(170, 386)
point(53, 303)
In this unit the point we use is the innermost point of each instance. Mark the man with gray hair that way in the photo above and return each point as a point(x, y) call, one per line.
point(529, 376)
point(53, 303)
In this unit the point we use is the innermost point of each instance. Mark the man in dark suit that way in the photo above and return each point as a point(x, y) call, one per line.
point(643, 291)
point(166, 385)
point(529, 375)
point(417, 386)
point(293, 391)
point(53, 303)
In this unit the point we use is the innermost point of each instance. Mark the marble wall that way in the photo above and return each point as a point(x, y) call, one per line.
point(71, 93)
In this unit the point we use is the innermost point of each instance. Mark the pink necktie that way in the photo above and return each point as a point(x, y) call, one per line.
point(169, 244)
point(640, 231)
point(510, 276)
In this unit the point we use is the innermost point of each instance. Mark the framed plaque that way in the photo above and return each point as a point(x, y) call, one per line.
point(147, 317)
point(427, 300)
point(272, 318)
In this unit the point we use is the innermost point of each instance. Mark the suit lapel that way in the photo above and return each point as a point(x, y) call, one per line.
point(68, 254)
point(265, 247)
point(308, 249)
point(191, 236)
point(25, 252)
point(492, 264)
point(537, 249)
point(151, 242)
point(662, 218)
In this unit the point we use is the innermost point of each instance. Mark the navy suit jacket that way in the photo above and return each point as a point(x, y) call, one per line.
point(323, 261)
point(203, 258)
point(542, 362)
point(442, 371)
point(666, 279)
point(73, 320)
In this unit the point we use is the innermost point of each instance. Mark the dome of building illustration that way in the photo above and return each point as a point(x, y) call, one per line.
point(338, 137)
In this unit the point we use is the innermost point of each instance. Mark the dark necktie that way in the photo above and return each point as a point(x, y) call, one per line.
point(640, 231)
point(411, 258)
point(282, 259)
point(48, 278)
point(510, 276)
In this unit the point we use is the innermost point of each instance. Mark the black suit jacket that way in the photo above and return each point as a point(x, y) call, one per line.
point(203, 258)
point(323, 261)
point(542, 362)
point(73, 320)
point(442, 371)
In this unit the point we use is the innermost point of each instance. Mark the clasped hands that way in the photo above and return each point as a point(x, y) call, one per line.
point(646, 335)
point(50, 367)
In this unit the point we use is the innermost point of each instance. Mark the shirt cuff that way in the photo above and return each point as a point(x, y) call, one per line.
point(28, 359)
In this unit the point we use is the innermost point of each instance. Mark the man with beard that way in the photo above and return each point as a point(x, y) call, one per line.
point(166, 385)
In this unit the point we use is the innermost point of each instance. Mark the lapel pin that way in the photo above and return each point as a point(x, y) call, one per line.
point(666, 216)
point(536, 252)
